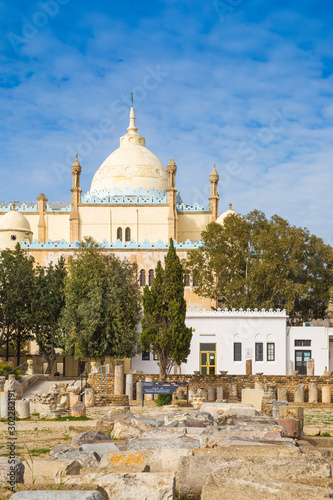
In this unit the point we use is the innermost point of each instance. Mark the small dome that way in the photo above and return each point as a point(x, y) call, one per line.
point(225, 214)
point(132, 166)
point(14, 221)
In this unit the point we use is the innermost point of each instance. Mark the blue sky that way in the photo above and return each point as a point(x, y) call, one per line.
point(243, 83)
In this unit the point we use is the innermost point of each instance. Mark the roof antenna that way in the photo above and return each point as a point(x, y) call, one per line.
point(132, 99)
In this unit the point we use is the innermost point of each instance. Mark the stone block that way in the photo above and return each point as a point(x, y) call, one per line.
point(139, 486)
point(240, 489)
point(282, 394)
point(89, 437)
point(326, 394)
point(12, 385)
point(99, 448)
point(211, 394)
point(253, 397)
point(41, 470)
point(293, 412)
point(313, 392)
point(78, 410)
point(299, 394)
point(6, 470)
point(310, 368)
point(123, 430)
point(138, 461)
point(276, 408)
point(292, 427)
point(89, 397)
point(163, 444)
point(58, 495)
point(219, 393)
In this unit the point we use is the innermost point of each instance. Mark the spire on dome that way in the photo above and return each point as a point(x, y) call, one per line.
point(230, 206)
point(14, 206)
point(132, 127)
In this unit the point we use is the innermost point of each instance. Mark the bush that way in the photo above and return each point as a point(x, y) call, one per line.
point(5, 368)
point(164, 399)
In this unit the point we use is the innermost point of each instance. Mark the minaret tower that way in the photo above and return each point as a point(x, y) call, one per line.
point(214, 196)
point(74, 219)
point(172, 200)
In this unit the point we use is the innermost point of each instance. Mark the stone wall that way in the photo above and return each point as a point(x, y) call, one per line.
point(206, 381)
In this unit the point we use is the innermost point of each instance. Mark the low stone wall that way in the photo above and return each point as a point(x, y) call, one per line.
point(206, 381)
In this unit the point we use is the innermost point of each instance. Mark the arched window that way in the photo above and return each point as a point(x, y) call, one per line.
point(142, 277)
point(127, 234)
point(186, 279)
point(195, 279)
point(119, 234)
point(150, 277)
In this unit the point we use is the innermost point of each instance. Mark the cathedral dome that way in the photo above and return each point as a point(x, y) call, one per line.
point(14, 221)
point(131, 166)
point(230, 211)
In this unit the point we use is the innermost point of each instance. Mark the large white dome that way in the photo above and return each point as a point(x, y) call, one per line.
point(131, 166)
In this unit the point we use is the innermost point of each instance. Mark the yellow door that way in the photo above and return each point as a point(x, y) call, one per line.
point(207, 359)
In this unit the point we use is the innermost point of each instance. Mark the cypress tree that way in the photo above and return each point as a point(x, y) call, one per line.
point(163, 324)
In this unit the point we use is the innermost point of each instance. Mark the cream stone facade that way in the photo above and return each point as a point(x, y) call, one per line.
point(132, 209)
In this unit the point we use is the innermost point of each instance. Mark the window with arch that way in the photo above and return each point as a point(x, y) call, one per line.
point(127, 234)
point(119, 234)
point(186, 279)
point(150, 277)
point(142, 277)
point(195, 279)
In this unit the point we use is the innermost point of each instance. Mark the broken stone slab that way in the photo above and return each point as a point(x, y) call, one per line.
point(58, 495)
point(220, 408)
point(203, 417)
point(164, 433)
point(193, 470)
point(99, 448)
point(89, 437)
point(148, 421)
point(11, 471)
point(292, 427)
point(139, 486)
point(163, 444)
point(41, 470)
point(239, 489)
point(140, 461)
point(120, 412)
point(60, 448)
point(12, 385)
point(123, 430)
point(85, 458)
point(78, 409)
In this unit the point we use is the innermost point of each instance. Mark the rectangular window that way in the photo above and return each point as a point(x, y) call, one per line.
point(237, 351)
point(259, 351)
point(145, 356)
point(302, 343)
point(270, 351)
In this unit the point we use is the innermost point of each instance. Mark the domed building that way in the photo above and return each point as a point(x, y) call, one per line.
point(133, 208)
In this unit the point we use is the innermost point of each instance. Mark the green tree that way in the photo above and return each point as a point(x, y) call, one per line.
point(16, 285)
point(163, 323)
point(102, 305)
point(255, 262)
point(47, 303)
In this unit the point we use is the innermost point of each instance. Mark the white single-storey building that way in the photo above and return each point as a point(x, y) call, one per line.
point(224, 340)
